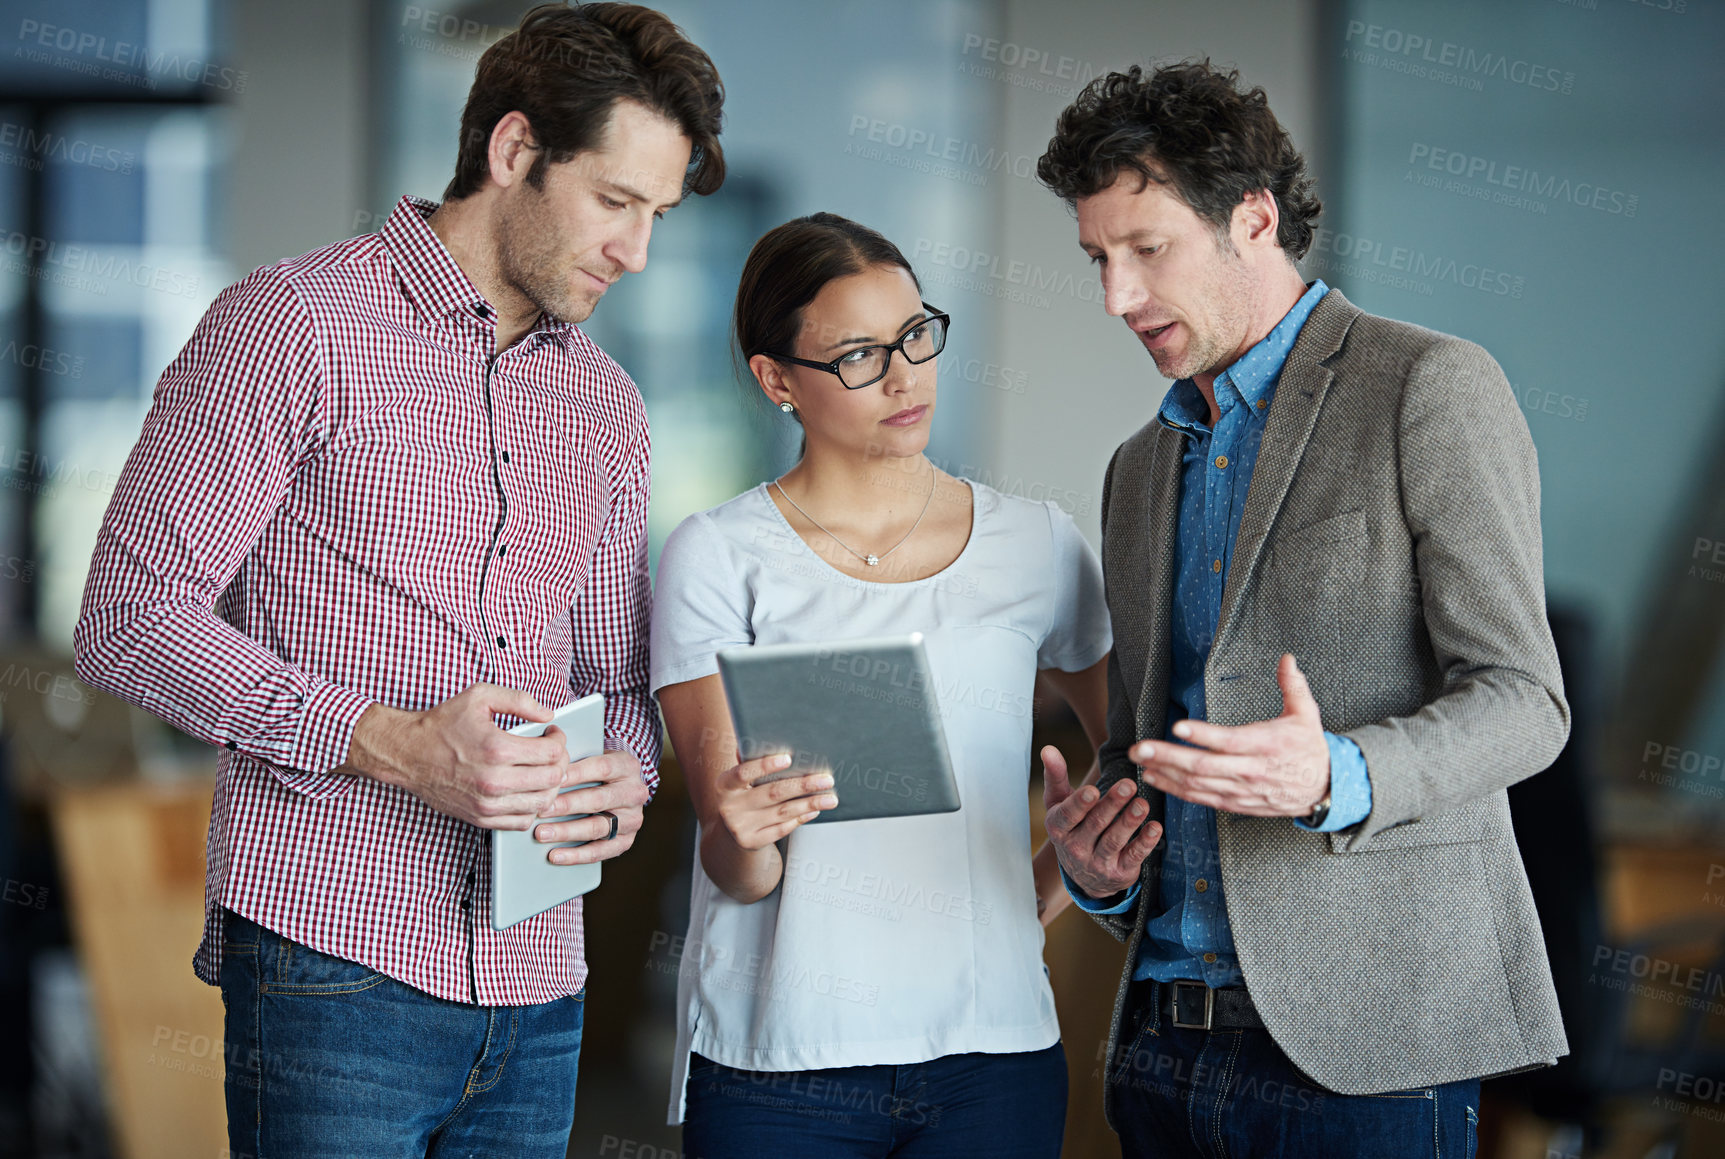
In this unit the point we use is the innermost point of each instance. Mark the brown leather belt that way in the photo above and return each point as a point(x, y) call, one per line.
point(1194, 1006)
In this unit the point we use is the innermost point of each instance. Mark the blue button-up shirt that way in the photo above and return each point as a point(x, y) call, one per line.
point(1188, 936)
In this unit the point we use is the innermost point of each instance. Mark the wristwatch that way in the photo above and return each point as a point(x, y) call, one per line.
point(1319, 814)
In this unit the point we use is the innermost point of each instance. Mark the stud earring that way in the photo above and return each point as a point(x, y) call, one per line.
point(786, 407)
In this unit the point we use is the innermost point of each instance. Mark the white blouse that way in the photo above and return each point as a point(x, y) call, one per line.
point(892, 940)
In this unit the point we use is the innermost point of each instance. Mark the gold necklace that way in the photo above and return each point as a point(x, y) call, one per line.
point(870, 559)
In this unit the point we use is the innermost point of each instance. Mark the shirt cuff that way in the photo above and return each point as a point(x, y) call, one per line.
point(327, 722)
point(1350, 786)
point(1091, 905)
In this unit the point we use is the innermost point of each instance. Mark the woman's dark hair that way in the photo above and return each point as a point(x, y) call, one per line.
point(790, 265)
point(565, 68)
point(1187, 125)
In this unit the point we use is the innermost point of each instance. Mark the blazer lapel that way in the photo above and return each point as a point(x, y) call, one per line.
point(1299, 393)
point(1161, 525)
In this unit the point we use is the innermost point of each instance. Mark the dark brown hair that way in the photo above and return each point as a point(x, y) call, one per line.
point(565, 68)
point(1187, 125)
point(790, 265)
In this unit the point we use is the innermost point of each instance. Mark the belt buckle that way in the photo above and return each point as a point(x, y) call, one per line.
point(1209, 1006)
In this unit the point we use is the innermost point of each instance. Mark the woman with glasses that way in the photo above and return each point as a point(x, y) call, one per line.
point(875, 987)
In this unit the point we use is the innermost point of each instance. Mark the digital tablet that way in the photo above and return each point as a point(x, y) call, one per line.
point(863, 709)
point(523, 881)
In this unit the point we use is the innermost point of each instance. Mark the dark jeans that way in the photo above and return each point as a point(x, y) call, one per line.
point(1004, 1106)
point(328, 1058)
point(1233, 1094)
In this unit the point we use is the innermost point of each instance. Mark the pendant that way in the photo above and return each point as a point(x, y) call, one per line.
point(871, 560)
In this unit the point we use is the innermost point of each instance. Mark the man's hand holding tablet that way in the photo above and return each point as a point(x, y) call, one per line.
point(619, 791)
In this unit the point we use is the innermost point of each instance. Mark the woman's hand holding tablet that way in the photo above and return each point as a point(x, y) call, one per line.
point(759, 807)
point(863, 711)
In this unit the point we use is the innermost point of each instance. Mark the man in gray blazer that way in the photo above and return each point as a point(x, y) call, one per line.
point(1330, 658)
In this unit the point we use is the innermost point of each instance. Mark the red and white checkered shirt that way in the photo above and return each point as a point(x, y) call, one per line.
point(342, 495)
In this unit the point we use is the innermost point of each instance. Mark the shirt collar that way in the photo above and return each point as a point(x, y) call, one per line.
point(1253, 377)
point(433, 279)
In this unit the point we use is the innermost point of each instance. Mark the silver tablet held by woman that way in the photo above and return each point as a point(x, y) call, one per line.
point(865, 710)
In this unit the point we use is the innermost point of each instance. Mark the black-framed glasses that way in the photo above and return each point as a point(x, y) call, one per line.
point(867, 365)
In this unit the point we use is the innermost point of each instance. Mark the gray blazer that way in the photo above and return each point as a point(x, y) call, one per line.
point(1390, 541)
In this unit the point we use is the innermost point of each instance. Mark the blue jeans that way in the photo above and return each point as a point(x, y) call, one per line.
point(1233, 1094)
point(328, 1058)
point(1005, 1106)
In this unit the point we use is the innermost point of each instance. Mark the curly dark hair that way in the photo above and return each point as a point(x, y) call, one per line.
point(565, 67)
point(1187, 125)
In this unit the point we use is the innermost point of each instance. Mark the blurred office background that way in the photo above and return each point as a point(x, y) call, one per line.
point(1540, 176)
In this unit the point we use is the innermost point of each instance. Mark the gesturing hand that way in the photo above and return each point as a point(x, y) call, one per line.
point(1096, 836)
point(1273, 768)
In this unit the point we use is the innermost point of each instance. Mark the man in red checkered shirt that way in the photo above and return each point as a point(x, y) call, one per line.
point(387, 493)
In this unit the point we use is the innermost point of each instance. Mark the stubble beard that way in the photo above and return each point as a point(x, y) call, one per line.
point(1230, 298)
point(529, 262)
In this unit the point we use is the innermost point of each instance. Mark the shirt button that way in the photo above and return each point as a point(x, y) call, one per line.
point(1216, 566)
point(1222, 462)
point(503, 549)
point(505, 456)
point(1209, 957)
point(502, 643)
point(482, 310)
point(1200, 885)
point(1262, 403)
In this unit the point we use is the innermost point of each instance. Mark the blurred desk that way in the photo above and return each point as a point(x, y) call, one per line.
point(133, 860)
point(1650, 885)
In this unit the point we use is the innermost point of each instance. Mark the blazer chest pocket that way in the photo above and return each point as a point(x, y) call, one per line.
point(1327, 537)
